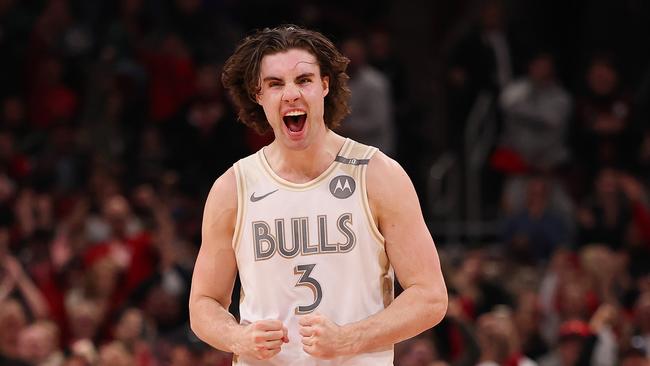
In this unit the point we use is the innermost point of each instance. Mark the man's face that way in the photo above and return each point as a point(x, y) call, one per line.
point(293, 94)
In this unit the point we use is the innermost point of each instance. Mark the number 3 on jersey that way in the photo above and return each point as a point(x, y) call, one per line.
point(305, 270)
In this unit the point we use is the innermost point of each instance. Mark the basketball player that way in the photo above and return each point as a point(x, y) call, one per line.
point(316, 224)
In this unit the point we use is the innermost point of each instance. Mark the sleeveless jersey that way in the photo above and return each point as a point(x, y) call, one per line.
point(310, 247)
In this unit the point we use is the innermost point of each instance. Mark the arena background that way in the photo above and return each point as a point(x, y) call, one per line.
point(524, 125)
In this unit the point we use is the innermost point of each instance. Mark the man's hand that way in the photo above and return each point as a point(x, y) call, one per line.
point(322, 338)
point(262, 339)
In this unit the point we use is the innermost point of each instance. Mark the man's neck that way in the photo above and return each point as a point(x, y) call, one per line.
point(301, 166)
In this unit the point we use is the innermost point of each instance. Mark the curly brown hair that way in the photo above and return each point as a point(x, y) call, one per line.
point(241, 72)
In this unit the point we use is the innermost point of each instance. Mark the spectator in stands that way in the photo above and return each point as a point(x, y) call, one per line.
point(82, 353)
point(605, 215)
point(534, 233)
point(115, 354)
point(419, 351)
point(606, 272)
point(51, 101)
point(634, 358)
point(604, 132)
point(16, 283)
point(481, 60)
point(499, 340)
point(572, 336)
point(84, 319)
point(128, 246)
point(455, 338)
point(208, 123)
point(214, 357)
point(601, 346)
point(38, 344)
point(536, 111)
point(637, 196)
point(131, 331)
point(12, 317)
point(382, 56)
point(527, 317)
point(171, 70)
point(564, 294)
point(371, 118)
point(476, 292)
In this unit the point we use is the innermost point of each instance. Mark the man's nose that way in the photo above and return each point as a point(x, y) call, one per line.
point(291, 93)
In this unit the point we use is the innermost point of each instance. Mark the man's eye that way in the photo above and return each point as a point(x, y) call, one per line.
point(272, 85)
point(304, 81)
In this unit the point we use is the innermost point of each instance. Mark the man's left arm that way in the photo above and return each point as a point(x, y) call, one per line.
point(414, 258)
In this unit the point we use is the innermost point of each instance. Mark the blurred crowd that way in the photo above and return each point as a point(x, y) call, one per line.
point(567, 280)
point(114, 125)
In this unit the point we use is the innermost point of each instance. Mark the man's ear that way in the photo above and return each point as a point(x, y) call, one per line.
point(326, 85)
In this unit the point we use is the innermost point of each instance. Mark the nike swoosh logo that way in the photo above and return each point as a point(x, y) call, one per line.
point(255, 199)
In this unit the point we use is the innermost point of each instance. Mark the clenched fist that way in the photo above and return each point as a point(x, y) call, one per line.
point(262, 339)
point(322, 338)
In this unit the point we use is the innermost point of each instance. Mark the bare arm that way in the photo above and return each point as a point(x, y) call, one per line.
point(23, 283)
point(412, 253)
point(213, 280)
point(414, 258)
point(215, 268)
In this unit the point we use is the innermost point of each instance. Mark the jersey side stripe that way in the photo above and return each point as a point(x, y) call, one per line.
point(366, 205)
point(241, 205)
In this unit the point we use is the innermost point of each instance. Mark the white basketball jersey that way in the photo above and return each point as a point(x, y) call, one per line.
point(310, 247)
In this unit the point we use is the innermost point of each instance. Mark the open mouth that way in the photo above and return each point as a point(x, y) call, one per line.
point(295, 121)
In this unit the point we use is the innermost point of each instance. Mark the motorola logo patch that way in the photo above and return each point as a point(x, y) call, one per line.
point(342, 186)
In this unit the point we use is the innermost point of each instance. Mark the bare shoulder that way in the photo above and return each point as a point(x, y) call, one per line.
point(387, 183)
point(215, 268)
point(221, 203)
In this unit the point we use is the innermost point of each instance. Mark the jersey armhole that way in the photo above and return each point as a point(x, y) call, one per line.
point(366, 204)
point(241, 194)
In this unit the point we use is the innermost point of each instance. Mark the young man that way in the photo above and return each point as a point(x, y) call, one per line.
point(315, 223)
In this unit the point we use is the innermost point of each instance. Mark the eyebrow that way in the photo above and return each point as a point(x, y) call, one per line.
point(275, 78)
point(305, 75)
point(271, 78)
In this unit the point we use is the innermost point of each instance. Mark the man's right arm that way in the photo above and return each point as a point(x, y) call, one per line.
point(214, 277)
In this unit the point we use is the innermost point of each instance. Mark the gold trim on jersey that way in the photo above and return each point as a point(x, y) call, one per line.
point(300, 186)
point(387, 279)
point(366, 204)
point(241, 206)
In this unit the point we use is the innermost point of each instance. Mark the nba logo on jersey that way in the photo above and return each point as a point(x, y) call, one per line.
point(342, 186)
